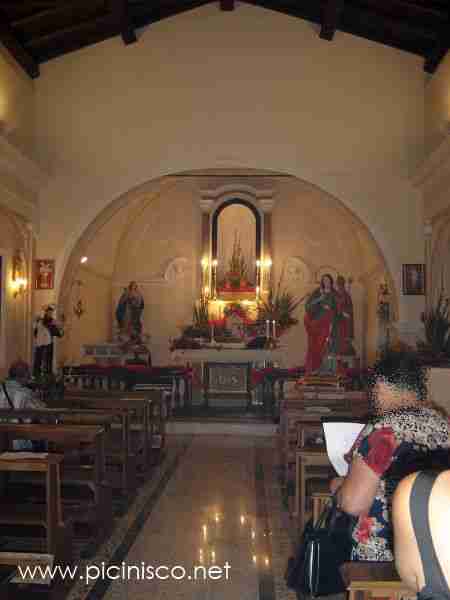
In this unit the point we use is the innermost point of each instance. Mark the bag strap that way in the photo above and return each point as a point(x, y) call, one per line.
point(326, 513)
point(5, 391)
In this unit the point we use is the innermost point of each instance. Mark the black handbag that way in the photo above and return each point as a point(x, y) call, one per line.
point(323, 548)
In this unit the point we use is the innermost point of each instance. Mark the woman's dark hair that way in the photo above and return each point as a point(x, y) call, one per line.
point(19, 370)
point(402, 370)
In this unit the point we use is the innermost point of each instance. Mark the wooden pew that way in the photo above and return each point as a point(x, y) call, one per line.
point(148, 414)
point(97, 512)
point(58, 532)
point(119, 451)
point(20, 588)
point(297, 413)
point(366, 580)
point(6, 574)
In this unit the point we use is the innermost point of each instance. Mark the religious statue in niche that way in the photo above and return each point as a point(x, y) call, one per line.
point(129, 313)
point(329, 326)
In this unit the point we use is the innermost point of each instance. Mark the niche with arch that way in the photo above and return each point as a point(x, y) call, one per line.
point(236, 248)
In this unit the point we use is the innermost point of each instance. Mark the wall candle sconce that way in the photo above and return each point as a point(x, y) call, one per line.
point(19, 281)
point(205, 278)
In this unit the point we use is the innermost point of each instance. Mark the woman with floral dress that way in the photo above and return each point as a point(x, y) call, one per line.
point(405, 435)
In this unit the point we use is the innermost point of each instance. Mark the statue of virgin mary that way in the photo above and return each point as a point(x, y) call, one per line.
point(129, 312)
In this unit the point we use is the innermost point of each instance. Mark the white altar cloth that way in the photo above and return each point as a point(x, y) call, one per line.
point(230, 355)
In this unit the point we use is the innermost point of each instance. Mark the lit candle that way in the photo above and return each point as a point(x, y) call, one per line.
point(267, 329)
point(274, 335)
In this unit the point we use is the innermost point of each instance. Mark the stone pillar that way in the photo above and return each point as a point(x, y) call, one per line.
point(206, 206)
point(267, 205)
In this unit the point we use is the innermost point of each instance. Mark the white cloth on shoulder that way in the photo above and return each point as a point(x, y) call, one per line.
point(21, 398)
point(43, 337)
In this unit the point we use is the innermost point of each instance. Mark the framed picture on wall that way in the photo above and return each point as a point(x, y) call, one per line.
point(44, 274)
point(414, 279)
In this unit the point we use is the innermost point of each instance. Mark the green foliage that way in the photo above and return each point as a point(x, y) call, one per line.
point(437, 327)
point(280, 306)
point(200, 315)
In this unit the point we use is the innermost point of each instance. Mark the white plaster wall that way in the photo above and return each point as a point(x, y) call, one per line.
point(13, 322)
point(438, 387)
point(156, 237)
point(17, 109)
point(437, 105)
point(251, 88)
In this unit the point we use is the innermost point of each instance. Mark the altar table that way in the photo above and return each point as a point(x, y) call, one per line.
point(227, 371)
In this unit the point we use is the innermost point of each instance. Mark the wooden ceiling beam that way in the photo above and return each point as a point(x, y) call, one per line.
point(145, 13)
point(227, 5)
point(330, 18)
point(20, 54)
point(55, 18)
point(438, 52)
point(73, 38)
point(125, 24)
point(412, 9)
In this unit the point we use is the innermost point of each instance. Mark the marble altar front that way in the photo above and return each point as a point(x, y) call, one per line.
point(226, 373)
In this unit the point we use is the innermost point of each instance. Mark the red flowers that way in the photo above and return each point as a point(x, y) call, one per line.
point(364, 529)
point(382, 444)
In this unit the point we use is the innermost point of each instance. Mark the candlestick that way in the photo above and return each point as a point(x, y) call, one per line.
point(267, 329)
point(215, 262)
point(212, 332)
point(274, 334)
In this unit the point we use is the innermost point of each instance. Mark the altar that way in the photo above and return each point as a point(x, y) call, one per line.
point(226, 373)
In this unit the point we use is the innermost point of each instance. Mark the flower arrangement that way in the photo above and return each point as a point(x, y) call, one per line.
point(436, 321)
point(280, 306)
point(237, 276)
point(236, 308)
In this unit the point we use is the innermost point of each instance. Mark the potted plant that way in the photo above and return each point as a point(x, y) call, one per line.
point(280, 306)
point(436, 322)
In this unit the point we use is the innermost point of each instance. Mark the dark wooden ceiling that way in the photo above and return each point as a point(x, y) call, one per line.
point(35, 31)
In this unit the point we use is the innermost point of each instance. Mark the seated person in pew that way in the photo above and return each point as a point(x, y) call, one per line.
point(421, 520)
point(405, 431)
point(15, 395)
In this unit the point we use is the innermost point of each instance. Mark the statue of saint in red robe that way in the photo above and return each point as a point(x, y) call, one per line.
point(320, 324)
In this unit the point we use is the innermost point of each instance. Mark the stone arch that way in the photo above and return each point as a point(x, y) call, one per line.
point(144, 196)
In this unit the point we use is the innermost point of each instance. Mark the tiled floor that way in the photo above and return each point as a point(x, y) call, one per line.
point(217, 501)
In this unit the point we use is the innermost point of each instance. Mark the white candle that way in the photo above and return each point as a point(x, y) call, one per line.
point(267, 329)
point(274, 335)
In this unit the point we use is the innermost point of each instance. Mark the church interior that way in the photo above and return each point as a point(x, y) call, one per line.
point(217, 221)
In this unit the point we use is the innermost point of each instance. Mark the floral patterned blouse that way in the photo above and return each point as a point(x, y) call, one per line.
point(397, 439)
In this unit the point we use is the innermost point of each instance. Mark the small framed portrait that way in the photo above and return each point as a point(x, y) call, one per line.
point(44, 274)
point(414, 280)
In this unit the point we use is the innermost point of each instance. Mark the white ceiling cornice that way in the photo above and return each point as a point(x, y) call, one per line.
point(28, 172)
point(435, 169)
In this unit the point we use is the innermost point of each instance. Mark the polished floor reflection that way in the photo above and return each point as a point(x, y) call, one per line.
point(219, 506)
